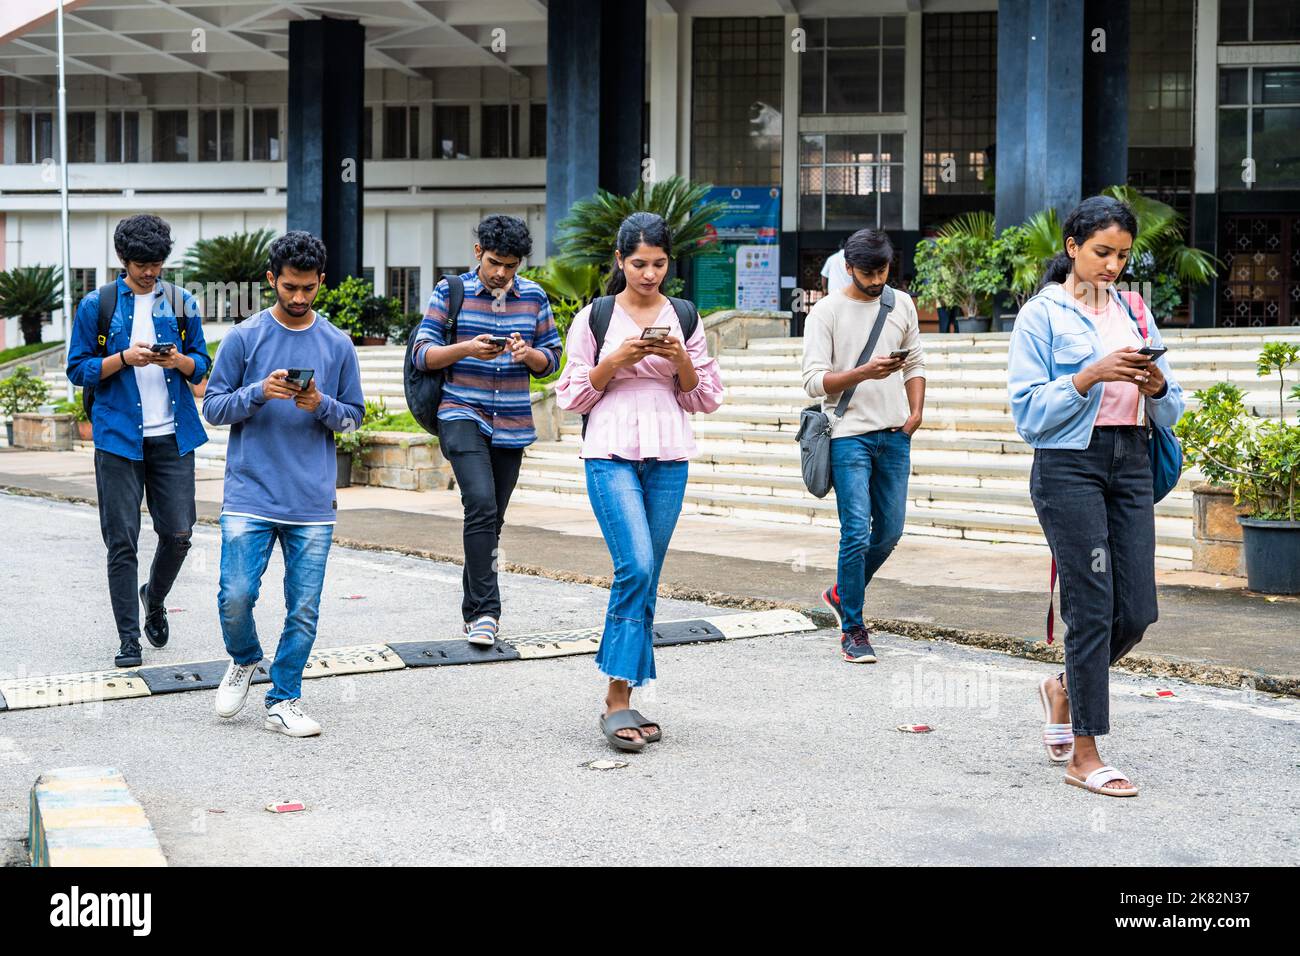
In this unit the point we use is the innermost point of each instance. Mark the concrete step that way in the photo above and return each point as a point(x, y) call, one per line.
point(1173, 534)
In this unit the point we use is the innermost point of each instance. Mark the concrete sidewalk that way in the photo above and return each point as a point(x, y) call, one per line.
point(1211, 629)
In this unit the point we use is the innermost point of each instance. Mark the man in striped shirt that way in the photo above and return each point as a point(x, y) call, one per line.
point(504, 335)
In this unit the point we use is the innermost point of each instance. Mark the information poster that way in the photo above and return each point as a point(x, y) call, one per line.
point(745, 248)
point(758, 277)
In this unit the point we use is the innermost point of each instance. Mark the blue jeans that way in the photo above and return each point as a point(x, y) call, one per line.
point(869, 473)
point(636, 504)
point(246, 546)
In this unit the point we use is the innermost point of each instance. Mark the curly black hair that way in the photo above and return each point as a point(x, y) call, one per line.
point(299, 250)
point(143, 238)
point(504, 235)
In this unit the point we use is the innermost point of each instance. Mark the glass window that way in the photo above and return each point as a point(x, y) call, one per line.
point(850, 181)
point(404, 285)
point(959, 102)
point(737, 64)
point(83, 281)
point(853, 65)
point(1232, 148)
point(1262, 129)
point(537, 129)
point(1232, 86)
point(171, 136)
point(35, 137)
point(1160, 72)
point(123, 137)
point(1273, 147)
point(1277, 86)
point(497, 140)
point(401, 132)
point(264, 135)
point(81, 137)
point(451, 132)
point(1259, 21)
point(216, 136)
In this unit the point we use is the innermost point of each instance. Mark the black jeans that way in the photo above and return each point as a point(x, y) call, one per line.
point(486, 476)
point(1097, 512)
point(165, 479)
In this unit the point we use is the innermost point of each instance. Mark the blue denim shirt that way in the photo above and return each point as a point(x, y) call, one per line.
point(118, 419)
point(1052, 340)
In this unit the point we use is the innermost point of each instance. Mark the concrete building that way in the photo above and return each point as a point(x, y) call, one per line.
point(843, 113)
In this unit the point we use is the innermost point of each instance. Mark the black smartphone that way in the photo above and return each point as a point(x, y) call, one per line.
point(500, 341)
point(1153, 352)
point(301, 376)
point(899, 354)
point(163, 348)
point(655, 332)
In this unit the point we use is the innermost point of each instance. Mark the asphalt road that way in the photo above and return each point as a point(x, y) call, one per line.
point(774, 750)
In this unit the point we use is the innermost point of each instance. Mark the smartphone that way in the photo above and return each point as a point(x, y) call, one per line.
point(163, 348)
point(899, 354)
point(1153, 352)
point(655, 332)
point(301, 376)
point(500, 341)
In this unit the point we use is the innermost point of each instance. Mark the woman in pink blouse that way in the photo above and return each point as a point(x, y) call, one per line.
point(634, 386)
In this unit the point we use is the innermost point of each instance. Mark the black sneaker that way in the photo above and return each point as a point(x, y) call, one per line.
point(155, 621)
point(129, 655)
point(856, 644)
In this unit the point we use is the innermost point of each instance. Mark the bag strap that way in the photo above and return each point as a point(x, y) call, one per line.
point(1140, 317)
point(602, 310)
point(886, 304)
point(687, 316)
point(107, 306)
point(176, 297)
point(455, 300)
point(1051, 612)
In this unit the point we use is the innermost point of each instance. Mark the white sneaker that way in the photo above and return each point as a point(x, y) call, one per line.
point(287, 717)
point(234, 688)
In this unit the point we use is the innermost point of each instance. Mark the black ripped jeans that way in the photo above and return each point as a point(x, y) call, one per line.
point(165, 479)
point(1097, 512)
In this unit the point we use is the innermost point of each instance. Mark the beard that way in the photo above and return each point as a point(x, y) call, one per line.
point(868, 290)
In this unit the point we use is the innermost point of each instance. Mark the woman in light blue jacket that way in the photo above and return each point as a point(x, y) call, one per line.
point(1083, 395)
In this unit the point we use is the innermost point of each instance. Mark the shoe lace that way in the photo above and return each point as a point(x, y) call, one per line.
point(236, 675)
point(293, 708)
point(859, 637)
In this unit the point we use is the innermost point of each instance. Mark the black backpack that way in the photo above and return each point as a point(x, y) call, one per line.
point(423, 387)
point(602, 310)
point(107, 306)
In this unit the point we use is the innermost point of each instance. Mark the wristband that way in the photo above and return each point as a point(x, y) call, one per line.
point(122, 356)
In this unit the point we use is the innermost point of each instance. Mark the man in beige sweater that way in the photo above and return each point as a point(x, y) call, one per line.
point(871, 444)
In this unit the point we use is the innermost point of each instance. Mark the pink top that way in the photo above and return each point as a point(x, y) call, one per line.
point(1121, 402)
point(641, 413)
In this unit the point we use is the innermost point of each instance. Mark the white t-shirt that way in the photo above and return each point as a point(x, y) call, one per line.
point(155, 401)
point(836, 273)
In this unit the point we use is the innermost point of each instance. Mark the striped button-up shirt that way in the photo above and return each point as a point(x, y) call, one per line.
point(492, 393)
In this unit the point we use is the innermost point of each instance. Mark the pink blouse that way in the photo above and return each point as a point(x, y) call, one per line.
point(641, 413)
point(1121, 402)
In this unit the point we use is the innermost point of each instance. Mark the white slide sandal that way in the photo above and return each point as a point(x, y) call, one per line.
point(1097, 780)
point(1054, 735)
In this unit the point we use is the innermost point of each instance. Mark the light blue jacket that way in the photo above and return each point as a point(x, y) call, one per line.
point(1053, 339)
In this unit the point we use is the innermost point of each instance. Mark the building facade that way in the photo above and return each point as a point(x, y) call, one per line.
point(891, 113)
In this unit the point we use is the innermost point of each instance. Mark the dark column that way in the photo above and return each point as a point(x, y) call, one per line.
point(595, 98)
point(1040, 108)
point(325, 185)
point(1105, 94)
point(1205, 235)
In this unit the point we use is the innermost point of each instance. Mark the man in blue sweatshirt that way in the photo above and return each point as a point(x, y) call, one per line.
point(280, 472)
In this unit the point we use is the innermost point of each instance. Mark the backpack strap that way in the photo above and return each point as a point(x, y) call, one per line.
point(602, 310)
point(175, 297)
point(107, 306)
point(1139, 317)
point(687, 316)
point(455, 300)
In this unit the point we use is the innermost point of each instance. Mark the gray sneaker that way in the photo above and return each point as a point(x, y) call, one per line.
point(856, 645)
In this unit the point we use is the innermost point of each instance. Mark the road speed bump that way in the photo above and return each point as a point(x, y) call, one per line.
point(86, 816)
point(200, 675)
point(438, 653)
point(358, 659)
point(26, 692)
point(760, 623)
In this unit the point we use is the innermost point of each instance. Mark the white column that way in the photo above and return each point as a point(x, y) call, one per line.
point(101, 135)
point(684, 95)
point(663, 94)
point(1205, 97)
point(790, 131)
point(912, 135)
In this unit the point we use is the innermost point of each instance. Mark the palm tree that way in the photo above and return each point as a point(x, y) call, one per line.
point(1160, 236)
point(590, 231)
point(31, 293)
point(241, 258)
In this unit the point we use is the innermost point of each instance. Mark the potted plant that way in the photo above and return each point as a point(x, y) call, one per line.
point(1021, 268)
point(31, 293)
point(20, 392)
point(1259, 458)
point(77, 410)
point(958, 270)
point(353, 306)
point(347, 445)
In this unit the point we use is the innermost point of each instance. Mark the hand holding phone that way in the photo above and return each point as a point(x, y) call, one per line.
point(655, 332)
point(1152, 352)
point(162, 348)
point(899, 354)
point(300, 377)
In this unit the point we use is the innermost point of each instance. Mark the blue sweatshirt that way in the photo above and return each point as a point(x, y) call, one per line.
point(1052, 340)
point(280, 463)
